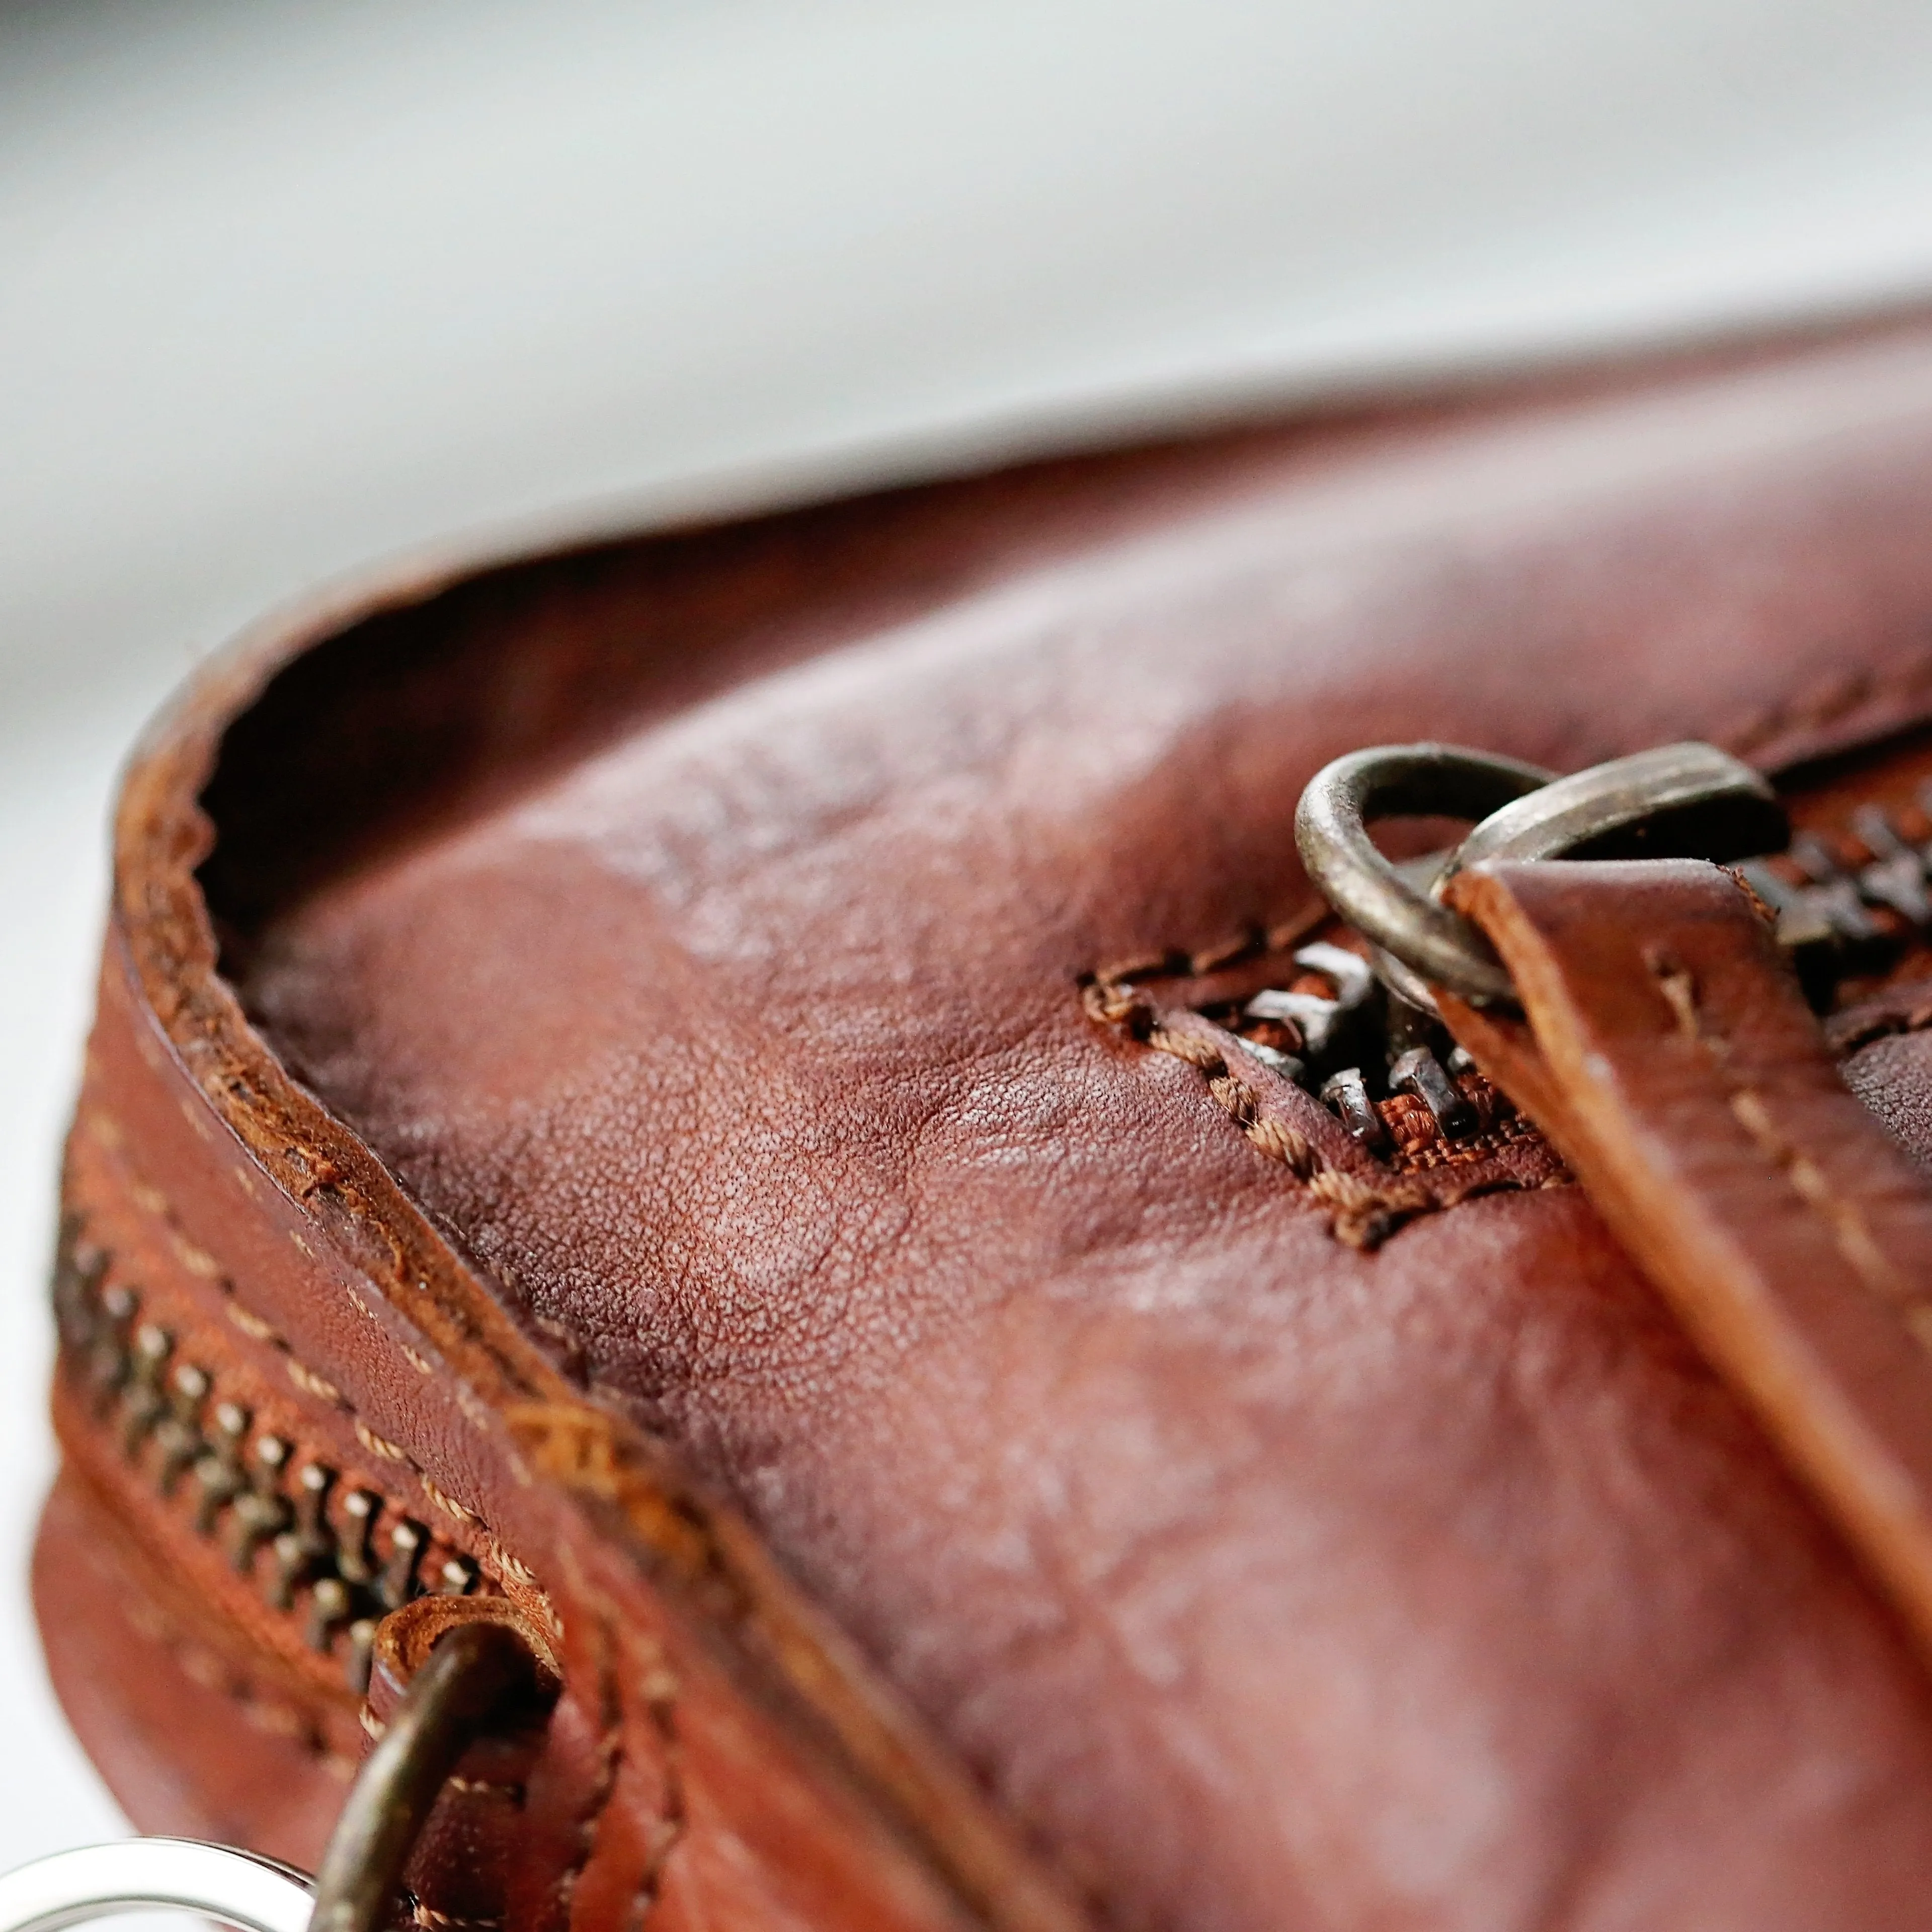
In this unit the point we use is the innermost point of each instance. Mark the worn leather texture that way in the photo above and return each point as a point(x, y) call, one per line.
point(657, 978)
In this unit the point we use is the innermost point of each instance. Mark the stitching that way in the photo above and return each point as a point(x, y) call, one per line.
point(207, 1671)
point(508, 1567)
point(610, 1757)
point(421, 1914)
point(1845, 1040)
point(1826, 705)
point(1851, 1233)
point(259, 1330)
point(1361, 1215)
point(485, 1787)
point(1238, 949)
point(660, 1687)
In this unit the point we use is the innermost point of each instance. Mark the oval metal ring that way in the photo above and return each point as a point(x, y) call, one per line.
point(1387, 781)
point(1675, 800)
point(238, 1888)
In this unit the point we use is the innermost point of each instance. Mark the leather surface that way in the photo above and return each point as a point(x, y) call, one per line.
point(1666, 1047)
point(718, 1753)
point(731, 1027)
point(183, 1731)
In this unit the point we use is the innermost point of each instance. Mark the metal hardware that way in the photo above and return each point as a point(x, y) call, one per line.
point(1348, 1094)
point(1676, 800)
point(1353, 979)
point(1435, 780)
point(284, 1519)
point(1312, 1017)
point(462, 1684)
point(238, 1888)
point(1845, 903)
point(1896, 876)
point(467, 1680)
point(1418, 1072)
point(397, 1583)
point(360, 1656)
point(1673, 801)
point(354, 1563)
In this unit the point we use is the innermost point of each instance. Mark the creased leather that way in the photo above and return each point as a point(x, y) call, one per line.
point(693, 930)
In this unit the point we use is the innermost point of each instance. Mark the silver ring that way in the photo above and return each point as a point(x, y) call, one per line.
point(1682, 800)
point(1434, 781)
point(238, 1888)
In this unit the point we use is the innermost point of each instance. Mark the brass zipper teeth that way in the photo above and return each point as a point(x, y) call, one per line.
point(333, 1557)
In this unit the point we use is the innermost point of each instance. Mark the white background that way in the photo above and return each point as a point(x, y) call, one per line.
point(284, 289)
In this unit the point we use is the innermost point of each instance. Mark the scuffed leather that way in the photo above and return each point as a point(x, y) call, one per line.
point(730, 1028)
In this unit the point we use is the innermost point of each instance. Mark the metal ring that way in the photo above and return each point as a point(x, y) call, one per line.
point(462, 1684)
point(238, 1888)
point(1435, 780)
point(466, 1682)
point(1680, 800)
point(1673, 801)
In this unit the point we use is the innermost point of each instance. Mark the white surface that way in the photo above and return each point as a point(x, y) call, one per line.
point(283, 288)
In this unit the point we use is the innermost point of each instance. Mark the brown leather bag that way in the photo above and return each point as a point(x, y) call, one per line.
point(703, 1096)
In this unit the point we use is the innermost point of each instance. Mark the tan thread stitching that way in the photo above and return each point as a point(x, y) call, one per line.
point(312, 1384)
point(1838, 699)
point(202, 1668)
point(1361, 1214)
point(1851, 1233)
point(660, 1687)
point(485, 1787)
point(258, 1329)
point(1848, 1038)
point(610, 1757)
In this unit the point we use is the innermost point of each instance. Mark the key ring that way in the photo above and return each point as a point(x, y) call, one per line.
point(466, 1680)
point(239, 1888)
point(1687, 800)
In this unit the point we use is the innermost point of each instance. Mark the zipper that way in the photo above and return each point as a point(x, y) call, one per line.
point(1851, 896)
point(325, 1552)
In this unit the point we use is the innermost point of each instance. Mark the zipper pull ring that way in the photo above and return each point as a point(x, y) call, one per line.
point(478, 1676)
point(1676, 801)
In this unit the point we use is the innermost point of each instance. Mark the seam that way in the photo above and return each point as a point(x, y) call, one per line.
point(610, 1755)
point(1224, 955)
point(1841, 1216)
point(660, 1688)
point(1827, 704)
point(1847, 1039)
point(486, 1787)
point(1361, 1215)
point(257, 1328)
point(208, 1671)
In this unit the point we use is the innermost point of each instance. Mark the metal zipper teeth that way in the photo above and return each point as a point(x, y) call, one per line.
point(334, 1558)
point(1833, 917)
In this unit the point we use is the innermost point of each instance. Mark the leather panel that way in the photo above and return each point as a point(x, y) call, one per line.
point(671, 955)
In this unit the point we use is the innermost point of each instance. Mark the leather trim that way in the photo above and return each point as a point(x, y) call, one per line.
point(1667, 1050)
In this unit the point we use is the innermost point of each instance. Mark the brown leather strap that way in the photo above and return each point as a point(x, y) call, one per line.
point(1666, 1049)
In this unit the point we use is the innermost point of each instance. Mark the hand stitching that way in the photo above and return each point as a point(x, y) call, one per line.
point(1361, 1214)
point(1851, 1233)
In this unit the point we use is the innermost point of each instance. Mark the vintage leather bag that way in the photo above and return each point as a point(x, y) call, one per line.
point(703, 1096)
